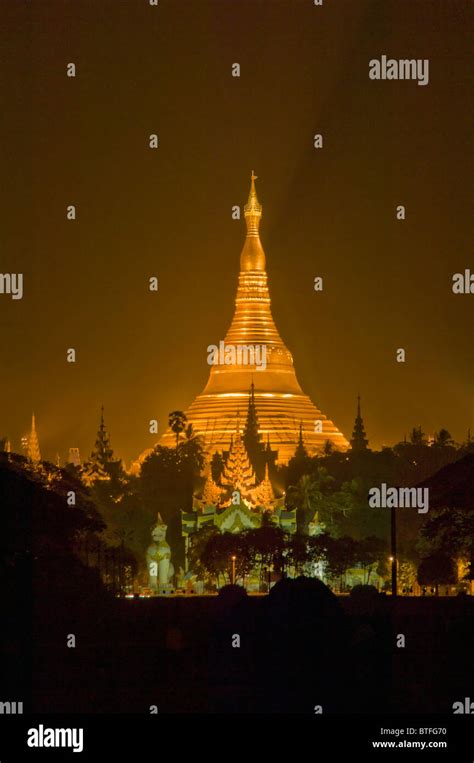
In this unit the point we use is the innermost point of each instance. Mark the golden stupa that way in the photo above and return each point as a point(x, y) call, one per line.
point(280, 402)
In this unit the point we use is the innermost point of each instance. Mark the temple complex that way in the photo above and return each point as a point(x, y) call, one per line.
point(240, 501)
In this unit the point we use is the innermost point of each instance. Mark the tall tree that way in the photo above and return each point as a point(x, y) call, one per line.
point(341, 556)
point(177, 423)
point(417, 437)
point(371, 553)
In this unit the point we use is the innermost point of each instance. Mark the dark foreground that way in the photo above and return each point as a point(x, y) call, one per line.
point(300, 648)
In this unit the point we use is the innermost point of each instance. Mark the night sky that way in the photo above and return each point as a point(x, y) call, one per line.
point(167, 212)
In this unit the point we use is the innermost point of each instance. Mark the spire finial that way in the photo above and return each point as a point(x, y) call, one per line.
point(252, 210)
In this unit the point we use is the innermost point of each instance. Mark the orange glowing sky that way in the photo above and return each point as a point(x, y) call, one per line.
point(329, 212)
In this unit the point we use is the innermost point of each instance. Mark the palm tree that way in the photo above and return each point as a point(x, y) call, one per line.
point(177, 423)
point(309, 495)
point(191, 450)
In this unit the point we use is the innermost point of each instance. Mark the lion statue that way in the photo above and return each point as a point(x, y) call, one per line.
point(158, 557)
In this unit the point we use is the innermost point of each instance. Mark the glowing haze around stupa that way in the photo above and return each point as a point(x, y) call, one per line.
point(280, 402)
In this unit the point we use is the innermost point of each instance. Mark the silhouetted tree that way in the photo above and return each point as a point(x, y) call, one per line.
point(341, 556)
point(177, 423)
point(435, 569)
point(371, 552)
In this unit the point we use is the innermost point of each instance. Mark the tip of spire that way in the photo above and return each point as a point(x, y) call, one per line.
point(252, 256)
point(253, 191)
point(253, 210)
point(253, 178)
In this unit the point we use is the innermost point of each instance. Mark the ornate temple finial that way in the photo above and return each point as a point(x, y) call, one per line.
point(252, 210)
point(252, 256)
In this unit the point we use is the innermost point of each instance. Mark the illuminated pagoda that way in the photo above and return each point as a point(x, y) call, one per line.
point(239, 502)
point(30, 444)
point(276, 393)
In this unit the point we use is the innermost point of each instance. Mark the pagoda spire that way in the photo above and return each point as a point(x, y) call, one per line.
point(300, 451)
point(33, 452)
point(253, 256)
point(238, 472)
point(251, 424)
point(359, 440)
point(252, 438)
point(102, 454)
point(101, 465)
point(212, 493)
point(253, 209)
point(263, 494)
